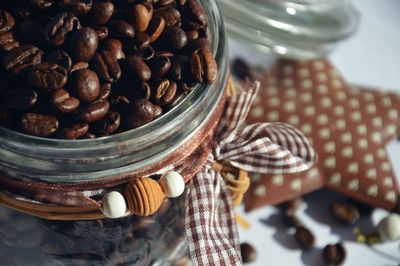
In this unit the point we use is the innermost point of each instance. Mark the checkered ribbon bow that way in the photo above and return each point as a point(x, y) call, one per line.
point(259, 148)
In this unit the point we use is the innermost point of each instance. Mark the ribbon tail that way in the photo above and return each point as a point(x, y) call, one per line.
point(210, 222)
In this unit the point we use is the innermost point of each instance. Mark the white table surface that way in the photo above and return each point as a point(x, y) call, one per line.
point(371, 57)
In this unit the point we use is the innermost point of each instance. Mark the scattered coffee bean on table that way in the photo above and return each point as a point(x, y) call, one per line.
point(249, 253)
point(86, 69)
point(304, 238)
point(334, 255)
point(345, 213)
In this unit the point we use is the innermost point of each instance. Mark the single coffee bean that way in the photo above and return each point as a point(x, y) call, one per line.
point(138, 113)
point(59, 27)
point(165, 91)
point(121, 29)
point(61, 58)
point(31, 32)
point(93, 112)
point(159, 66)
point(174, 37)
point(109, 124)
point(78, 7)
point(115, 47)
point(105, 91)
point(79, 66)
point(7, 21)
point(180, 95)
point(106, 66)
point(142, 41)
point(84, 44)
point(192, 35)
point(20, 99)
point(101, 12)
point(21, 58)
point(345, 213)
point(170, 15)
point(145, 55)
point(39, 125)
point(141, 90)
point(155, 28)
point(41, 4)
point(140, 16)
point(102, 32)
point(47, 76)
point(118, 101)
point(64, 102)
point(194, 15)
point(8, 42)
point(334, 254)
point(138, 68)
point(203, 66)
point(200, 43)
point(74, 131)
point(248, 252)
point(242, 70)
point(85, 84)
point(304, 238)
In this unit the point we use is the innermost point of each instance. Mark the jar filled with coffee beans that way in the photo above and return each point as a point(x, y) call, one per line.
point(93, 92)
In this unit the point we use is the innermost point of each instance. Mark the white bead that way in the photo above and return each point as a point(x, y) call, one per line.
point(172, 184)
point(113, 205)
point(389, 227)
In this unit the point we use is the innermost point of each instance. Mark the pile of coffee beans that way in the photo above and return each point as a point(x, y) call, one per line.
point(26, 240)
point(90, 68)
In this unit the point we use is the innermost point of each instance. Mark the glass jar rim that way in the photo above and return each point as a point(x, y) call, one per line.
point(17, 149)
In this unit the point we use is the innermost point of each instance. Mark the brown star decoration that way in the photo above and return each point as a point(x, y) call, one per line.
point(348, 126)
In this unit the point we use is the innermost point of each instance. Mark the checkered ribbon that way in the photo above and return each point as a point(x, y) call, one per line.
point(261, 148)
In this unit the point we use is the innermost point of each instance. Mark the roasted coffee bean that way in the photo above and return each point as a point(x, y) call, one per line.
point(101, 12)
point(140, 17)
point(102, 32)
point(74, 131)
point(84, 44)
point(61, 58)
point(192, 35)
point(8, 42)
point(85, 85)
point(64, 102)
point(78, 7)
point(141, 90)
point(59, 27)
point(174, 37)
point(200, 43)
point(203, 66)
point(304, 238)
point(138, 113)
point(93, 112)
point(290, 219)
point(88, 135)
point(109, 124)
point(159, 66)
point(20, 99)
point(155, 28)
point(334, 254)
point(345, 213)
point(118, 101)
point(106, 66)
point(21, 58)
point(79, 66)
point(105, 91)
point(31, 32)
point(363, 208)
point(165, 3)
point(180, 95)
point(47, 76)
point(121, 29)
point(7, 21)
point(164, 92)
point(41, 4)
point(195, 15)
point(115, 47)
point(145, 55)
point(170, 15)
point(138, 68)
point(142, 41)
point(39, 125)
point(248, 252)
point(175, 71)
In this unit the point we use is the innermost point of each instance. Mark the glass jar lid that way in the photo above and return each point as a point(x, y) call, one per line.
point(300, 29)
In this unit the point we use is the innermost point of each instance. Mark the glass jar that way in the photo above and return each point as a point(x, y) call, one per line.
point(154, 240)
point(299, 29)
